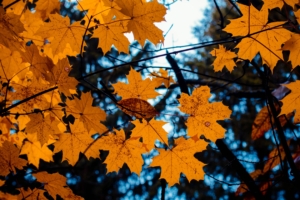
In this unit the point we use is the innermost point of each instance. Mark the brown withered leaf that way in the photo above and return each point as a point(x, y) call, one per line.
point(137, 107)
point(262, 121)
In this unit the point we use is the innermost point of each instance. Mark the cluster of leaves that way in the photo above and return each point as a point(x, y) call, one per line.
point(42, 113)
point(256, 33)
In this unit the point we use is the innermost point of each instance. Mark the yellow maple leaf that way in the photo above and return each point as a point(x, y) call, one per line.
point(122, 151)
point(44, 126)
point(137, 87)
point(112, 34)
point(35, 151)
point(142, 16)
point(162, 77)
point(62, 35)
point(150, 132)
point(55, 184)
point(203, 114)
point(137, 107)
point(224, 58)
point(83, 110)
point(9, 159)
point(77, 140)
point(180, 159)
point(267, 37)
point(292, 101)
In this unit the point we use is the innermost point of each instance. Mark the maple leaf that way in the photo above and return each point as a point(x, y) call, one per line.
point(38, 64)
point(292, 101)
point(35, 194)
point(137, 88)
point(243, 187)
point(16, 8)
point(11, 27)
point(7, 196)
point(270, 4)
point(203, 114)
point(264, 38)
point(142, 15)
point(150, 131)
point(162, 77)
point(112, 34)
point(55, 184)
point(224, 58)
point(137, 107)
point(104, 11)
point(274, 158)
point(44, 126)
point(11, 64)
point(27, 88)
point(122, 151)
point(83, 110)
point(61, 35)
point(35, 151)
point(59, 76)
point(9, 159)
point(77, 140)
point(180, 159)
point(262, 122)
point(32, 22)
point(46, 7)
point(292, 45)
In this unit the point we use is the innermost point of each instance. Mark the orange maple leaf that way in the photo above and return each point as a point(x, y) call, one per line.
point(9, 159)
point(122, 151)
point(112, 34)
point(59, 76)
point(292, 45)
point(83, 110)
point(44, 126)
point(162, 77)
point(270, 4)
point(180, 159)
point(38, 63)
point(64, 39)
point(137, 87)
point(77, 140)
point(150, 131)
point(142, 16)
point(224, 58)
point(55, 184)
point(35, 151)
point(267, 37)
point(11, 65)
point(11, 28)
point(46, 7)
point(203, 114)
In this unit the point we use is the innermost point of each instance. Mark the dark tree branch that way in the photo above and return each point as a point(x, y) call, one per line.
point(178, 74)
